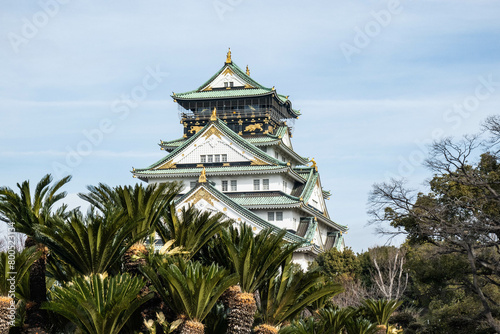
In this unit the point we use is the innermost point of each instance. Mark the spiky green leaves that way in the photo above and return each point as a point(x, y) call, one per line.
point(190, 288)
point(91, 244)
point(290, 291)
point(25, 210)
point(13, 270)
point(379, 311)
point(192, 228)
point(143, 205)
point(98, 304)
point(255, 258)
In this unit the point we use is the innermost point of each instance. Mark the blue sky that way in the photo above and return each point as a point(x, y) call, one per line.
point(375, 81)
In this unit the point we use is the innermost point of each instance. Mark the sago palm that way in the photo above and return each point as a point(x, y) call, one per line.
point(13, 271)
point(89, 244)
point(145, 206)
point(255, 258)
point(302, 326)
point(190, 289)
point(359, 325)
point(287, 293)
point(191, 228)
point(334, 320)
point(24, 211)
point(98, 304)
point(379, 311)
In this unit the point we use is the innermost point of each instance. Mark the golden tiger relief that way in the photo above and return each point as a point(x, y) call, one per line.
point(253, 127)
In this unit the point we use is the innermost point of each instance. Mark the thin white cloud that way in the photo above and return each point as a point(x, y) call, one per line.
point(96, 153)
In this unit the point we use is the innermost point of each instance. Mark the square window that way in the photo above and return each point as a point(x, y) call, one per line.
point(203, 158)
point(256, 184)
point(270, 216)
point(276, 155)
point(225, 84)
point(265, 184)
point(234, 185)
point(285, 185)
point(217, 158)
point(224, 185)
point(279, 216)
point(224, 158)
point(231, 84)
point(210, 158)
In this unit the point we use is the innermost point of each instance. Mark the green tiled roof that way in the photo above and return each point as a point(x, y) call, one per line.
point(259, 199)
point(290, 237)
point(261, 140)
point(209, 170)
point(175, 142)
point(225, 93)
point(310, 184)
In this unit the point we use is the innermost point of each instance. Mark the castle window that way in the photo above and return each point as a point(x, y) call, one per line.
point(192, 184)
point(270, 216)
point(231, 84)
point(279, 216)
point(217, 158)
point(224, 185)
point(203, 158)
point(210, 158)
point(256, 184)
point(224, 158)
point(265, 184)
point(234, 185)
point(264, 149)
point(225, 84)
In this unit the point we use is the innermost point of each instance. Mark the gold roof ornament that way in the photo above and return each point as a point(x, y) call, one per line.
point(314, 165)
point(203, 176)
point(213, 117)
point(273, 88)
point(248, 71)
point(228, 57)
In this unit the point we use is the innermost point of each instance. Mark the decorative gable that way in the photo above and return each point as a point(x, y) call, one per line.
point(201, 151)
point(317, 200)
point(227, 79)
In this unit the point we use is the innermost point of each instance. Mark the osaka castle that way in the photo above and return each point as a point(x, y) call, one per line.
point(236, 156)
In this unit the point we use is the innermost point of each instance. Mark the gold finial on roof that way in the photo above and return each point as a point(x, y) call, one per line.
point(228, 57)
point(248, 71)
point(214, 115)
point(203, 176)
point(314, 165)
point(272, 88)
point(133, 169)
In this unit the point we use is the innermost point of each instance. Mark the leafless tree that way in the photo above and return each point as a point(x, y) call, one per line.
point(389, 274)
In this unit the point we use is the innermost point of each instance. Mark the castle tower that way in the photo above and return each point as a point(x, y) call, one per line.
point(236, 156)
